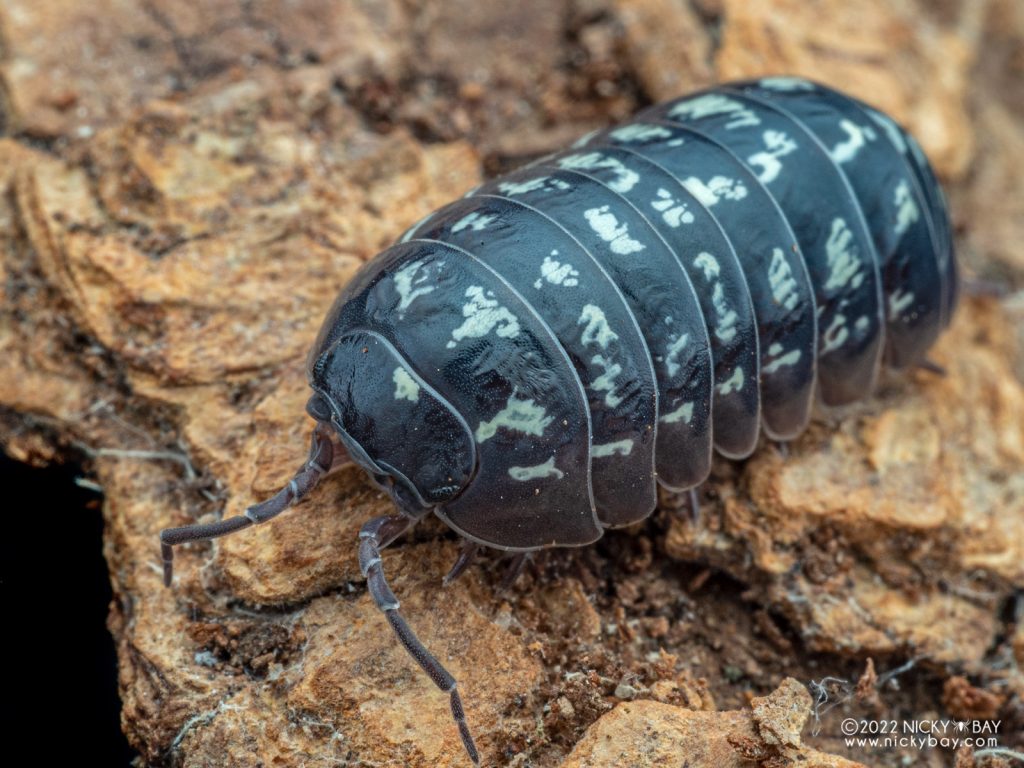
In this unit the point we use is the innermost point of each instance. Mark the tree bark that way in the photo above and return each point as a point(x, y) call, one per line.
point(187, 186)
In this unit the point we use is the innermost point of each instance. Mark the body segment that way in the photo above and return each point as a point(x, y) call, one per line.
point(589, 317)
point(657, 290)
point(706, 256)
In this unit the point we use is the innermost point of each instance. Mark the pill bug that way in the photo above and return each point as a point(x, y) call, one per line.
point(530, 361)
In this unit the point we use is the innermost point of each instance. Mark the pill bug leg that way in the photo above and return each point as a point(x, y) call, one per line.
point(513, 572)
point(694, 504)
point(373, 537)
point(676, 501)
point(932, 367)
point(324, 456)
point(986, 289)
point(466, 556)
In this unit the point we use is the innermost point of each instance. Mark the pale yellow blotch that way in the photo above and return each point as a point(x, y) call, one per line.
point(406, 387)
point(519, 416)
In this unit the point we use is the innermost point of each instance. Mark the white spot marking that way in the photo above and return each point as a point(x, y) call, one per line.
point(618, 448)
point(522, 187)
point(411, 284)
point(709, 264)
point(776, 144)
point(835, 335)
point(585, 138)
point(607, 227)
point(519, 416)
point(725, 317)
point(597, 329)
point(625, 179)
point(718, 188)
point(907, 211)
point(683, 413)
point(858, 136)
point(547, 469)
point(781, 280)
point(891, 130)
point(733, 384)
point(557, 273)
point(672, 353)
point(716, 104)
point(841, 253)
point(781, 361)
point(406, 387)
point(475, 221)
point(899, 301)
point(672, 211)
point(862, 323)
point(606, 381)
point(483, 314)
point(786, 84)
point(640, 132)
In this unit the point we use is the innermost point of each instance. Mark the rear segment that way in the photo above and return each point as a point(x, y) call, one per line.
point(711, 182)
point(826, 219)
point(935, 205)
point(910, 237)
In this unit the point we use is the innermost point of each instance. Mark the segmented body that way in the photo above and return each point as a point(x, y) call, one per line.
point(530, 361)
point(604, 318)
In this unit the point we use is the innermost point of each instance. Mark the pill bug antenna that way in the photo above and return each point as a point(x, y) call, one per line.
point(325, 455)
point(373, 537)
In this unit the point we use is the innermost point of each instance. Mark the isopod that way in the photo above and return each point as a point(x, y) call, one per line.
point(530, 361)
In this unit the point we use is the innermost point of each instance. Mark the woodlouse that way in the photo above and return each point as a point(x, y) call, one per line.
point(528, 362)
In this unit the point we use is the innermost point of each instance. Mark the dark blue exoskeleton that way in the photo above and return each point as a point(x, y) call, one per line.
point(531, 361)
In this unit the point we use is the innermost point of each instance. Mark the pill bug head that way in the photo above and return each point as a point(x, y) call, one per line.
point(406, 436)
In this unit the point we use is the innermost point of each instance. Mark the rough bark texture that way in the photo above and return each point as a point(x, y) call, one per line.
point(186, 186)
